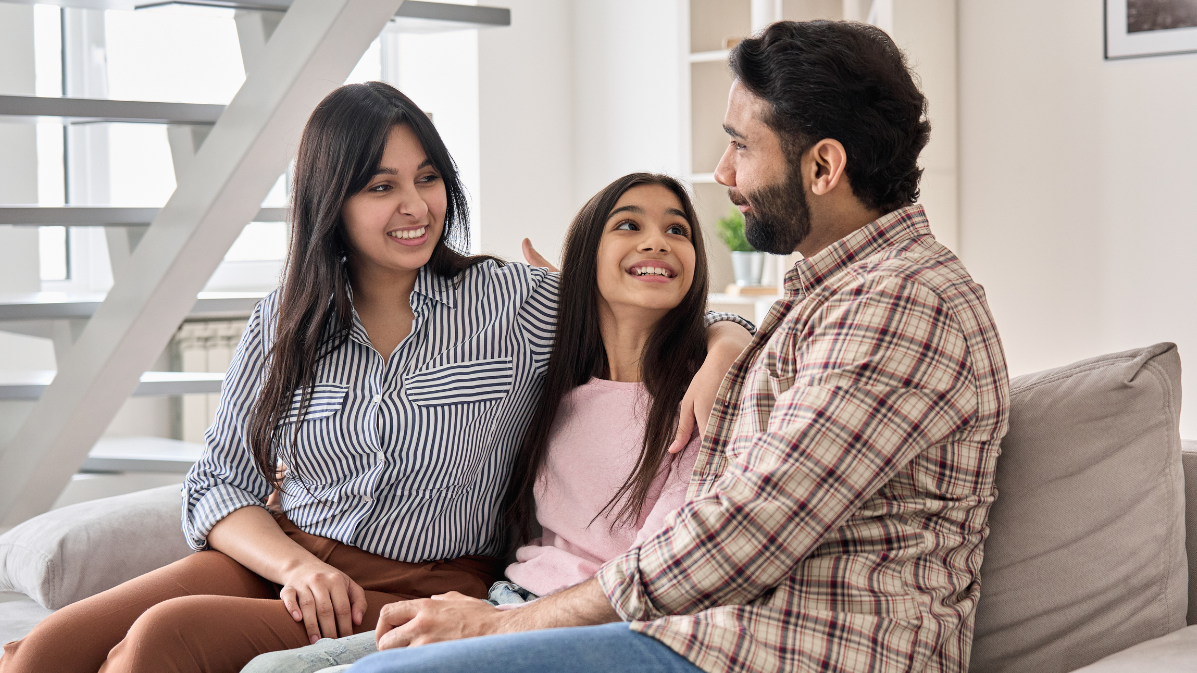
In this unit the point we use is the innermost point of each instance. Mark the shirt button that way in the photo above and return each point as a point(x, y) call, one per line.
point(377, 399)
point(380, 455)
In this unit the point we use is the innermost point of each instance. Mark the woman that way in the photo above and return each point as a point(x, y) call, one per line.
point(593, 468)
point(391, 376)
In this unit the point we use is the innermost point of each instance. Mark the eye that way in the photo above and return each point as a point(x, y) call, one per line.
point(627, 225)
point(428, 179)
point(379, 188)
point(678, 230)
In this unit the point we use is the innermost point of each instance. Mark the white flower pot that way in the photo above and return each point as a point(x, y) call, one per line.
point(748, 267)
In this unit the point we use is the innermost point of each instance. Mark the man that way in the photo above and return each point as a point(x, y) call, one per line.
point(837, 513)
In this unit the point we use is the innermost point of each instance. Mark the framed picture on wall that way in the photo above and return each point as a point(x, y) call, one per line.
point(1150, 27)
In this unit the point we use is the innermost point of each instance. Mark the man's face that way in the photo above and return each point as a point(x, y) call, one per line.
point(761, 180)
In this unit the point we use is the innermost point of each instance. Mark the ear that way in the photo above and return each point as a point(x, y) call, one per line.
point(827, 161)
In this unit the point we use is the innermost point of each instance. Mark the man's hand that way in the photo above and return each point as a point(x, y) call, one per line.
point(534, 258)
point(452, 616)
point(431, 620)
point(725, 341)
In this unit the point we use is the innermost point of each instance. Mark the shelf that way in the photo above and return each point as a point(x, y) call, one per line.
point(66, 305)
point(100, 216)
point(710, 56)
point(38, 108)
point(29, 385)
point(142, 454)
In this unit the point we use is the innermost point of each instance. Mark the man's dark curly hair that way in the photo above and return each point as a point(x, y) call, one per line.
point(849, 82)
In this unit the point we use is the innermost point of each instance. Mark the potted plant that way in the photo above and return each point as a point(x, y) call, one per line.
point(747, 263)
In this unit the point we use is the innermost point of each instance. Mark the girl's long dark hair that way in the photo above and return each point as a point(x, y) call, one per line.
point(341, 146)
point(674, 352)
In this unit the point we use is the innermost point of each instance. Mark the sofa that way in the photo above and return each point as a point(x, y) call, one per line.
point(1091, 562)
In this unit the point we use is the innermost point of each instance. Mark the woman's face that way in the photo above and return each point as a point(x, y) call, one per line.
point(395, 222)
point(645, 257)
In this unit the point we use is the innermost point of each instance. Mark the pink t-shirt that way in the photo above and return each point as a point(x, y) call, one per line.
point(593, 447)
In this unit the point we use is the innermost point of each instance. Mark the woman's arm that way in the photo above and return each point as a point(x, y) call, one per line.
point(325, 599)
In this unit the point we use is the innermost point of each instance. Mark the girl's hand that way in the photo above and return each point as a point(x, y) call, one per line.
point(325, 599)
point(725, 342)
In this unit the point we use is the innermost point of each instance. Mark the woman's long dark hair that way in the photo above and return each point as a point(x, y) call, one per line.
point(672, 355)
point(339, 152)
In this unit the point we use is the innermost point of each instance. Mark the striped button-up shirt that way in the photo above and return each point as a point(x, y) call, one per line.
point(407, 458)
point(837, 512)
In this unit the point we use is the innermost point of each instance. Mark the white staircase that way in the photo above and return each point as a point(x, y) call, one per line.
point(226, 160)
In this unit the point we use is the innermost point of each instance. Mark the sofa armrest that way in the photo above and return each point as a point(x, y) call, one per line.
point(1173, 653)
point(1188, 458)
point(68, 554)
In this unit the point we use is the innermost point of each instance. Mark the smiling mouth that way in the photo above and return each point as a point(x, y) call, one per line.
point(405, 234)
point(651, 271)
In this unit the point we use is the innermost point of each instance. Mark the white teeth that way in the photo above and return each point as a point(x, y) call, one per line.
point(653, 270)
point(410, 233)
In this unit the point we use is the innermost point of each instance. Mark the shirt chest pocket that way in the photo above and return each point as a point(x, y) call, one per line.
point(460, 382)
point(326, 400)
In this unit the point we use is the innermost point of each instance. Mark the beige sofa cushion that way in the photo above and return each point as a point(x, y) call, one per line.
point(1086, 554)
point(77, 551)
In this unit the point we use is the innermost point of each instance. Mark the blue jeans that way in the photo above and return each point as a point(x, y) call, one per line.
point(583, 649)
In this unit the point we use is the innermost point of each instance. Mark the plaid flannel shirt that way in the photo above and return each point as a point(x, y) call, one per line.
point(837, 512)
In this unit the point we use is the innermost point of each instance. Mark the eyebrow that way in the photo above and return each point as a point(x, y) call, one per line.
point(640, 211)
point(390, 171)
point(732, 132)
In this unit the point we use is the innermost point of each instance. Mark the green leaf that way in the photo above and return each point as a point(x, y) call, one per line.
point(731, 231)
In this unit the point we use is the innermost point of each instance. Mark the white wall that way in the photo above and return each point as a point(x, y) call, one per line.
point(627, 91)
point(18, 184)
point(525, 107)
point(571, 96)
point(1077, 184)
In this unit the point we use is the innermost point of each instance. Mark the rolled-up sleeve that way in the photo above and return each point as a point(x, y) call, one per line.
point(883, 376)
point(713, 317)
point(225, 478)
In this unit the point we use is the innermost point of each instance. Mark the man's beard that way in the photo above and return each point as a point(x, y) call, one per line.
point(779, 217)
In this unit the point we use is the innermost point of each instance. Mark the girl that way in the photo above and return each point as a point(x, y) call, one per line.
point(593, 469)
point(391, 375)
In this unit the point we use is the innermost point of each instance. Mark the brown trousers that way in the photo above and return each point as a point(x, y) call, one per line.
point(209, 614)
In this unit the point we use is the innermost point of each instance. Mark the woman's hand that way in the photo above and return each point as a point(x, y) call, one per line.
point(325, 599)
point(534, 258)
point(725, 341)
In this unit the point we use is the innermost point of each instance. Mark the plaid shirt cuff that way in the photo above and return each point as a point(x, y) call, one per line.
point(620, 580)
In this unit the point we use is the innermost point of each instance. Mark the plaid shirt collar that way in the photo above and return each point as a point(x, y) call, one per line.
point(889, 230)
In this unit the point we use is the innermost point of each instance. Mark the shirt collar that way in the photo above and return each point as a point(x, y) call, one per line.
point(887, 231)
point(428, 284)
point(436, 287)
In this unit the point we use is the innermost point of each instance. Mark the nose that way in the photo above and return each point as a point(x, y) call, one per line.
point(654, 241)
point(725, 172)
point(411, 204)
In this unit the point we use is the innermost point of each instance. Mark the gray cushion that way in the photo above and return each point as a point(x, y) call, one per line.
point(1174, 653)
point(74, 552)
point(1086, 554)
point(1189, 460)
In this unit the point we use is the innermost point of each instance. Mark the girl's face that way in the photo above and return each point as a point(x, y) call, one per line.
point(395, 222)
point(645, 257)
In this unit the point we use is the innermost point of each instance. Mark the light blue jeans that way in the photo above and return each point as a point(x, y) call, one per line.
point(608, 648)
point(338, 653)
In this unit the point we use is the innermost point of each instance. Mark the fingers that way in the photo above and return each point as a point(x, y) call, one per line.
point(357, 602)
point(453, 596)
point(342, 612)
point(291, 603)
point(685, 426)
point(326, 614)
point(307, 605)
point(535, 258)
point(394, 615)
